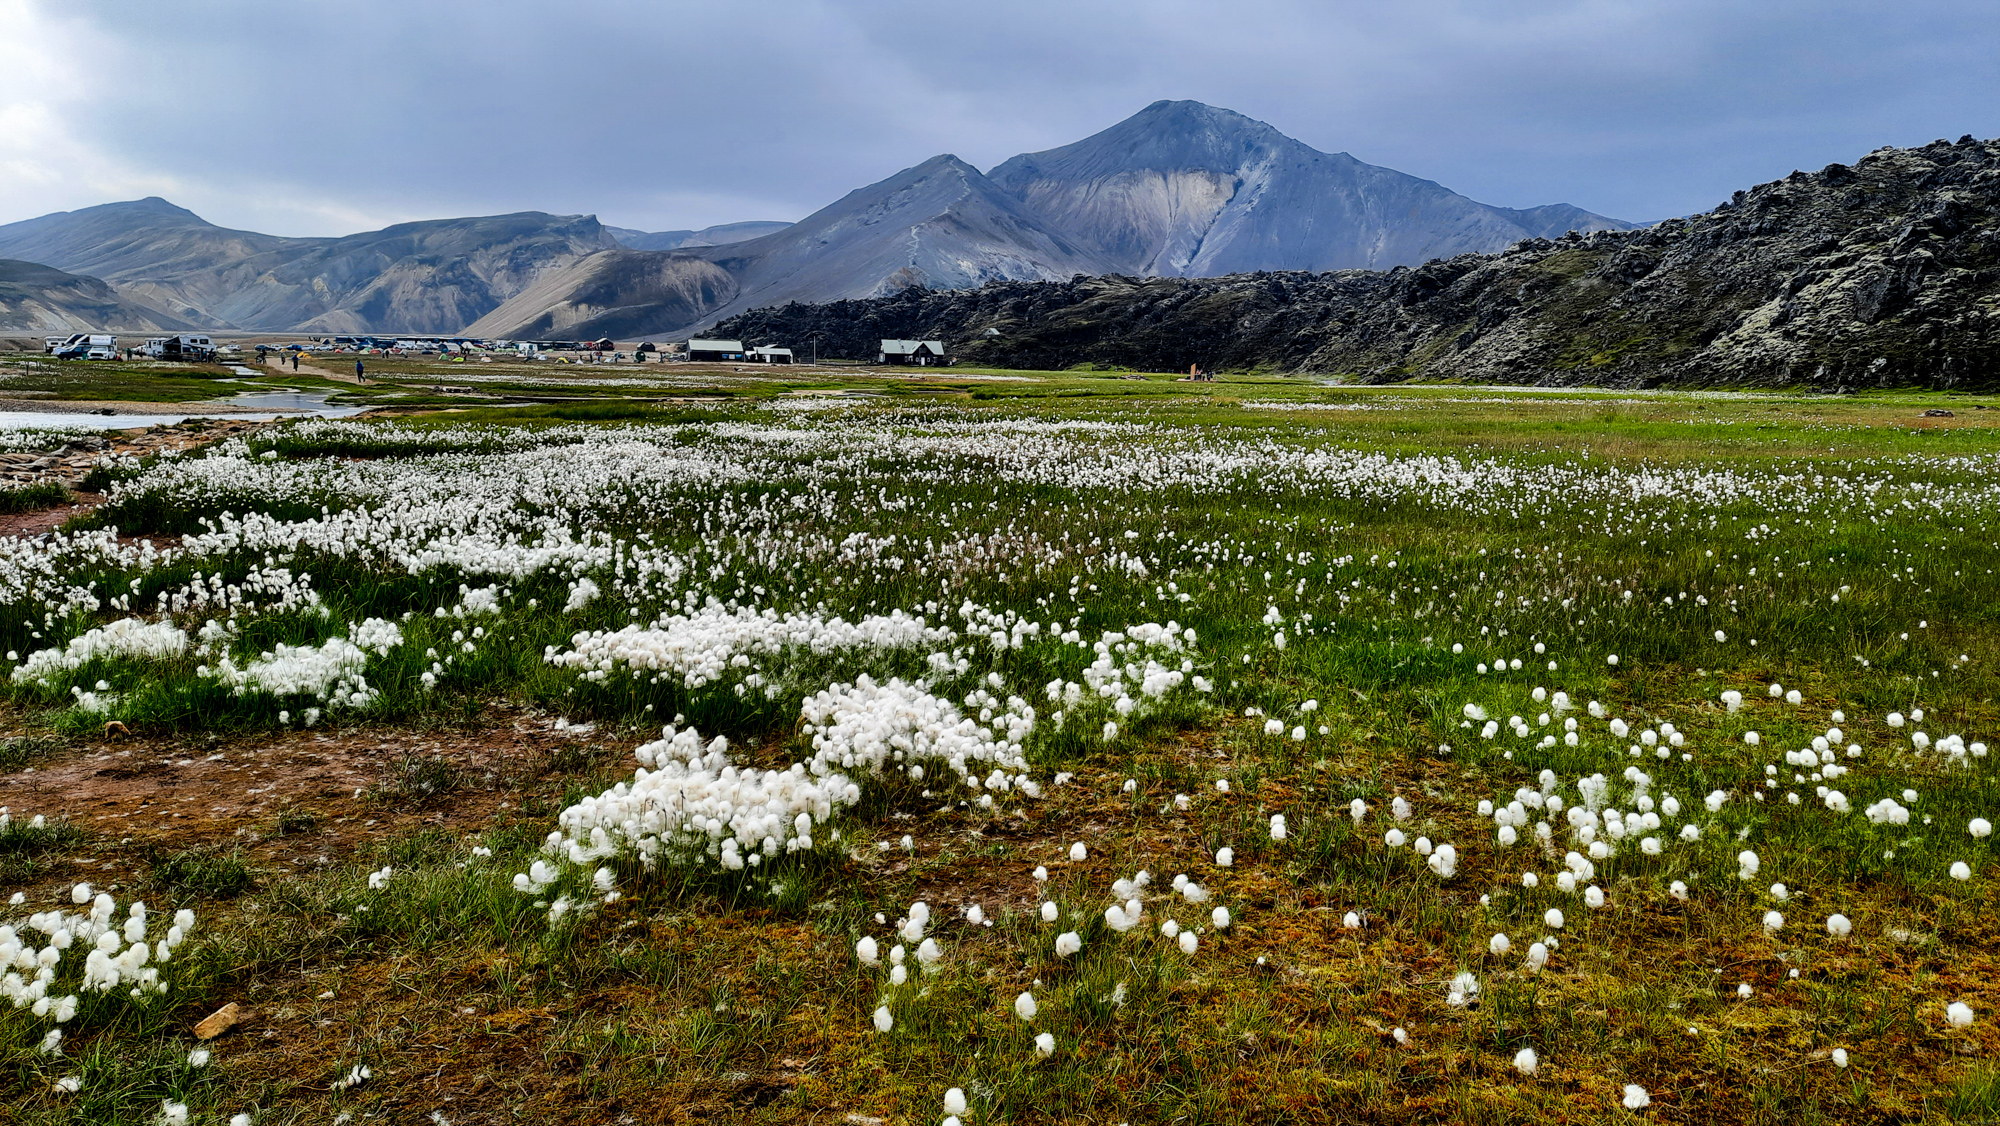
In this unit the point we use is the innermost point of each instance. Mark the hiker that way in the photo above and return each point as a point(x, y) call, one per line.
point(295, 361)
point(358, 369)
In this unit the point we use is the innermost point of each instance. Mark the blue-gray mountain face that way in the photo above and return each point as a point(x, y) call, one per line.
point(1180, 190)
point(1187, 190)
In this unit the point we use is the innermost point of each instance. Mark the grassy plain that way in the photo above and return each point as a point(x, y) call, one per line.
point(1840, 547)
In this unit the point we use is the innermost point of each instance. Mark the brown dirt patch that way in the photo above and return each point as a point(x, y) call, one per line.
point(290, 800)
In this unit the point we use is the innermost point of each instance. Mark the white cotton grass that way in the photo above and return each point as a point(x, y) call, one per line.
point(1636, 1097)
point(1958, 1014)
point(1838, 925)
point(1045, 1044)
point(954, 1101)
point(1527, 1062)
point(1538, 957)
point(1025, 1006)
point(884, 1020)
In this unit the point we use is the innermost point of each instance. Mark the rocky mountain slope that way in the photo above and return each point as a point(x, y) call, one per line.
point(622, 294)
point(939, 225)
point(1884, 272)
point(432, 276)
point(721, 235)
point(1182, 189)
point(42, 300)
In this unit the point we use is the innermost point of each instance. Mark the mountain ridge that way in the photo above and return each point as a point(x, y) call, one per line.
point(1178, 189)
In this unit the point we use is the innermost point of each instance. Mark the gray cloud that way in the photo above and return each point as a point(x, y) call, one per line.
point(320, 118)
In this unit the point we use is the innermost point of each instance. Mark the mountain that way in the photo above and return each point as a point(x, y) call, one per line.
point(941, 225)
point(431, 276)
point(44, 301)
point(1882, 273)
point(622, 294)
point(1182, 189)
point(167, 255)
point(721, 235)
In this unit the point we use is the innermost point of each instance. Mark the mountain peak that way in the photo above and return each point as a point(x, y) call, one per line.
point(942, 162)
point(151, 208)
point(1187, 189)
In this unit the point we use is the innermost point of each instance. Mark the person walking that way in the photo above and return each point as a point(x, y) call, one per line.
point(358, 369)
point(295, 362)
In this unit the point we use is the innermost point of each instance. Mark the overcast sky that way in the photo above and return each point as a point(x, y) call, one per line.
point(300, 117)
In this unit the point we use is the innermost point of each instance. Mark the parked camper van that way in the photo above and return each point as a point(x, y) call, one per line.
point(54, 344)
point(190, 347)
point(93, 346)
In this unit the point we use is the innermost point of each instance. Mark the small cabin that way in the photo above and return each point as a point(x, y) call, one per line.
point(920, 353)
point(770, 355)
point(714, 350)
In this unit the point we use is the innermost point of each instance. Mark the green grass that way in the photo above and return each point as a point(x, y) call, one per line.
point(200, 874)
point(146, 382)
point(33, 498)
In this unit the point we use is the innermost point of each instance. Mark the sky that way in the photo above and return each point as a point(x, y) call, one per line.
point(304, 117)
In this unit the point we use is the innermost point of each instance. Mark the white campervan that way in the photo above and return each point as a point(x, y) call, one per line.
point(89, 346)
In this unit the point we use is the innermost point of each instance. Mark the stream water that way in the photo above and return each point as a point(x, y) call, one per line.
point(254, 406)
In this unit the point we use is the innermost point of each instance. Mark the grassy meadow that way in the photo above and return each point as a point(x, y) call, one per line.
point(1557, 756)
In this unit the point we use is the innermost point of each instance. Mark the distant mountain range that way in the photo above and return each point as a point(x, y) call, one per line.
point(1179, 190)
point(1881, 273)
